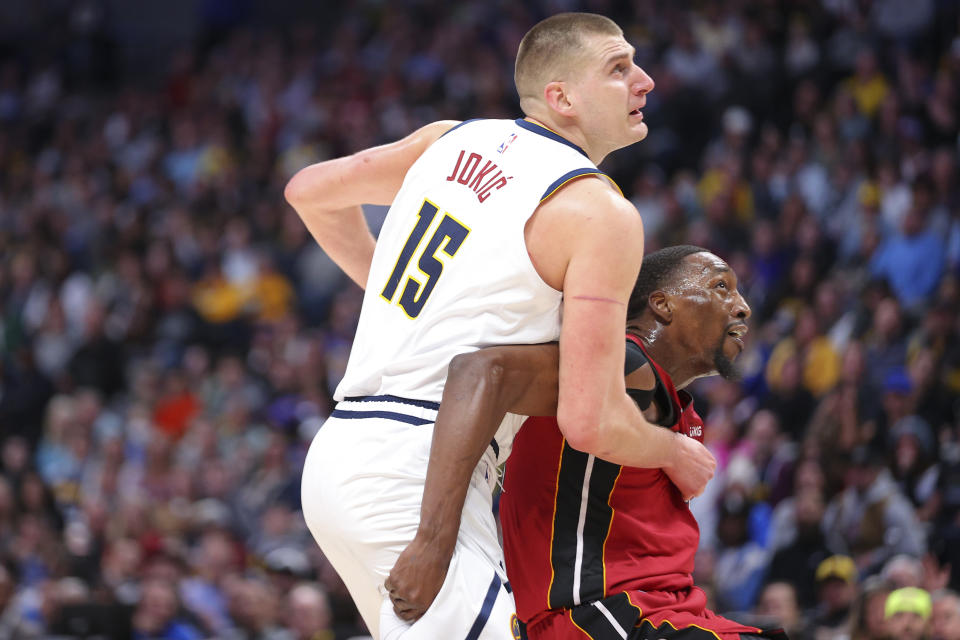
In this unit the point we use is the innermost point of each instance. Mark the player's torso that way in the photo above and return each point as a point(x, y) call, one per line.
point(564, 545)
point(451, 272)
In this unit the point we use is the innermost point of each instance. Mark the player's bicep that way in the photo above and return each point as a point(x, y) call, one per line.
point(387, 165)
point(599, 277)
point(371, 176)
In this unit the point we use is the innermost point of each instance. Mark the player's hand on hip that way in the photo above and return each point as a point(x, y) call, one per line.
point(416, 578)
point(693, 468)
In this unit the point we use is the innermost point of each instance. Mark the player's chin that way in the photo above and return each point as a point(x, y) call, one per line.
point(732, 348)
point(639, 131)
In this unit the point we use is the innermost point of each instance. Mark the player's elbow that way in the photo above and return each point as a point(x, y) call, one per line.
point(580, 426)
point(297, 190)
point(482, 368)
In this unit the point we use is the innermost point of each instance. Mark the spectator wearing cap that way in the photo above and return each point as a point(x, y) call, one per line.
point(896, 402)
point(836, 580)
point(945, 616)
point(871, 519)
point(907, 611)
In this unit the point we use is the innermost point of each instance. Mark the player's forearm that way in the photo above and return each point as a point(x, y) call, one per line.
point(470, 411)
point(481, 387)
point(623, 436)
point(345, 236)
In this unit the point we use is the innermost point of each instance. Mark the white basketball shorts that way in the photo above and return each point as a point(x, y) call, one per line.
point(362, 487)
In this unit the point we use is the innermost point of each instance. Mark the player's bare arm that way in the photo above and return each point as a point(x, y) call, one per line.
point(601, 235)
point(481, 388)
point(328, 195)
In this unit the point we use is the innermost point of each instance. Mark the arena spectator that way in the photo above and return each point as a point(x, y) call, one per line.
point(907, 611)
point(945, 616)
point(170, 334)
point(871, 519)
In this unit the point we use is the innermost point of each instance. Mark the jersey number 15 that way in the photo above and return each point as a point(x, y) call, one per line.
point(415, 293)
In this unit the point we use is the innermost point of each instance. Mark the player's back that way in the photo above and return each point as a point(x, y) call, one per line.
point(451, 272)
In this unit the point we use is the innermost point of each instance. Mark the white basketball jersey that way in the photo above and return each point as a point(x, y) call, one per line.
point(450, 272)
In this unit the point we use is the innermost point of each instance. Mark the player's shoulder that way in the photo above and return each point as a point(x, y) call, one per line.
point(430, 133)
point(593, 203)
point(592, 192)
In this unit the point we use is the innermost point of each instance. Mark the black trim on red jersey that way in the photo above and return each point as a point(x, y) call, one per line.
point(596, 528)
point(666, 631)
point(567, 544)
point(566, 514)
point(668, 413)
point(594, 618)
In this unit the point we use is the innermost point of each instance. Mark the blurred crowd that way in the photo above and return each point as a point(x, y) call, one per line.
point(170, 335)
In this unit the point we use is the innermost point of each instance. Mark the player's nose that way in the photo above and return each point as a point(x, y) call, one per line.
point(740, 307)
point(642, 83)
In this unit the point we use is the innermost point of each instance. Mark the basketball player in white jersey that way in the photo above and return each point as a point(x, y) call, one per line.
point(493, 224)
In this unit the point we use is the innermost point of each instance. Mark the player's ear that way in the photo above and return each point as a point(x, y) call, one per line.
point(661, 305)
point(556, 96)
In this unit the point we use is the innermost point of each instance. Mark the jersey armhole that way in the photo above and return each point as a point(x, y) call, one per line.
point(636, 358)
point(575, 174)
point(457, 126)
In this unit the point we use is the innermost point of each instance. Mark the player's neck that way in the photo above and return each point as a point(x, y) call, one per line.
point(569, 133)
point(668, 353)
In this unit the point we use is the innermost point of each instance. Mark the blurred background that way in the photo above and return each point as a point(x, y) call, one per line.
point(170, 335)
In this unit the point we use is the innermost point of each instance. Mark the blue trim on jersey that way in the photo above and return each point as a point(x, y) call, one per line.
point(389, 415)
point(424, 404)
point(567, 177)
point(539, 129)
point(457, 126)
point(506, 585)
point(495, 447)
point(485, 610)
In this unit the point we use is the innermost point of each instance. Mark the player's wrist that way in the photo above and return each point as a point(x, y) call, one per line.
point(439, 536)
point(674, 450)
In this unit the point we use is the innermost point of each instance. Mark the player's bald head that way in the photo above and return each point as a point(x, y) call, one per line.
point(552, 49)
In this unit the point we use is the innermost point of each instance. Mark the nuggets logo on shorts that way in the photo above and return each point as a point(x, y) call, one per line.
point(515, 627)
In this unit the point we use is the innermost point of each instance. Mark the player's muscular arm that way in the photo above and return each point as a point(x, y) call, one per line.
point(598, 237)
point(328, 195)
point(481, 387)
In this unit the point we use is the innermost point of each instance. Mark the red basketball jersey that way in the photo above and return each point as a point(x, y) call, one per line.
point(577, 529)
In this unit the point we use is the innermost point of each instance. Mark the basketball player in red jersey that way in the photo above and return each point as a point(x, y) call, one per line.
point(594, 549)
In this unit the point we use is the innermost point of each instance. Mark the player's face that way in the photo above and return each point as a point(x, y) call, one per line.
point(713, 312)
point(609, 92)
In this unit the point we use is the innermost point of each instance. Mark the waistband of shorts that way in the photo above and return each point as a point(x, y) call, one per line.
point(407, 410)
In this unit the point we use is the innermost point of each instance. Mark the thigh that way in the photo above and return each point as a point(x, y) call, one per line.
point(360, 505)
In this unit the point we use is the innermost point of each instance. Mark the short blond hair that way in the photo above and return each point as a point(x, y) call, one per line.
point(548, 50)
